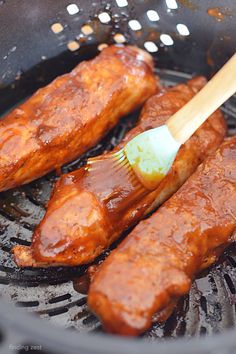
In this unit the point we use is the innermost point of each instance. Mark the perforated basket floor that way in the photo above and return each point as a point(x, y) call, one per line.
point(209, 308)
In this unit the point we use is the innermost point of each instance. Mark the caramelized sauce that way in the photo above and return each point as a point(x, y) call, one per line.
point(219, 13)
point(157, 261)
point(81, 284)
point(189, 4)
point(91, 207)
point(71, 114)
point(115, 185)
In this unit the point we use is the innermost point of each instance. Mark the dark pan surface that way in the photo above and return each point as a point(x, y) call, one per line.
point(31, 55)
point(209, 308)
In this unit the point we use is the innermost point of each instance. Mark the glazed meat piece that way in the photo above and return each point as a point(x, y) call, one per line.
point(87, 213)
point(70, 115)
point(157, 262)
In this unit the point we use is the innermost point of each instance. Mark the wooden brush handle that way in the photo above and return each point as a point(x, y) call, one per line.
point(189, 118)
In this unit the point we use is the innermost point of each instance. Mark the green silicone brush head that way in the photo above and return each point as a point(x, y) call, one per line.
point(151, 155)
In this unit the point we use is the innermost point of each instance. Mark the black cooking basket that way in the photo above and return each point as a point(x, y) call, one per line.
point(41, 39)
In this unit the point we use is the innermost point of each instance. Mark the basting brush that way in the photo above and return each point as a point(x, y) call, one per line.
point(150, 155)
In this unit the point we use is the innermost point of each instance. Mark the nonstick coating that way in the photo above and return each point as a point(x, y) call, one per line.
point(31, 55)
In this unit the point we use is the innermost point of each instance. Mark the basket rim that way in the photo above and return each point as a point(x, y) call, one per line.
point(38, 331)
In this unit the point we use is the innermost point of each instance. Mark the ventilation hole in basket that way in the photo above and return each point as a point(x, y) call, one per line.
point(4, 281)
point(6, 269)
point(86, 30)
point(12, 216)
point(182, 328)
point(151, 47)
point(72, 9)
point(213, 285)
point(216, 311)
point(30, 272)
point(135, 25)
point(55, 281)
point(153, 15)
point(232, 261)
point(81, 301)
point(119, 38)
point(203, 304)
point(57, 27)
point(43, 57)
point(166, 39)
point(104, 17)
point(54, 300)
point(83, 313)
point(102, 46)
point(58, 311)
point(73, 46)
point(32, 283)
point(6, 213)
point(5, 248)
point(203, 330)
point(230, 284)
point(90, 320)
point(122, 3)
point(182, 29)
point(172, 4)
point(27, 303)
point(13, 49)
point(19, 241)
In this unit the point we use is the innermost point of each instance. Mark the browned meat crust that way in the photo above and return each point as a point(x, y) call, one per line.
point(157, 262)
point(70, 115)
point(87, 212)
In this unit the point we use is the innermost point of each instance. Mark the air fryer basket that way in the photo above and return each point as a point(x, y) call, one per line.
point(41, 39)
